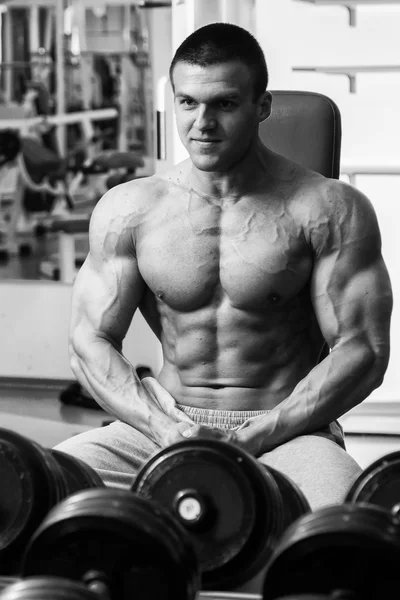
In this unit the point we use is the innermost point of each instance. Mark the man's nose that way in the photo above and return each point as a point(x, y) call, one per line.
point(205, 119)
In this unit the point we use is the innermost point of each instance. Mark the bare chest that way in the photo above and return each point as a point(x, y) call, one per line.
point(252, 255)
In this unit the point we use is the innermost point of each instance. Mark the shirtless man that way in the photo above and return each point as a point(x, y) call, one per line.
point(243, 263)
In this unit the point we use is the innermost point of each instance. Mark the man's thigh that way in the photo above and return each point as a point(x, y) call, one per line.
point(116, 452)
point(321, 468)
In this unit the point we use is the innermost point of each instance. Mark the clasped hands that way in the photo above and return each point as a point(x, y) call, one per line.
point(185, 429)
point(240, 436)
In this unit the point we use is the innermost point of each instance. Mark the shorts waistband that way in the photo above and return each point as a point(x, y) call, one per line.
point(231, 419)
point(223, 419)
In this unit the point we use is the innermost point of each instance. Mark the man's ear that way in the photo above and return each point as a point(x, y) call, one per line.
point(265, 104)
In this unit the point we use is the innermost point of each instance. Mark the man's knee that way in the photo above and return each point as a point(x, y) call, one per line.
point(322, 469)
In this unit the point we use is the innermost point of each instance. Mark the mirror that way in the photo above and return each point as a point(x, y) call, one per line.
point(71, 129)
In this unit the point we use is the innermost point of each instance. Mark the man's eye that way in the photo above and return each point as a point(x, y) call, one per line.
point(188, 102)
point(226, 104)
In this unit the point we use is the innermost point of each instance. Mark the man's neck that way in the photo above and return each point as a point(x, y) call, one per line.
point(240, 179)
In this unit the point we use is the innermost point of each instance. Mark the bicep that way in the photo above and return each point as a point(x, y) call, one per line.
point(350, 287)
point(105, 300)
point(108, 288)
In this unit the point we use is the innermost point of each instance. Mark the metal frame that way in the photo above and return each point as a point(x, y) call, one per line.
point(350, 71)
point(350, 5)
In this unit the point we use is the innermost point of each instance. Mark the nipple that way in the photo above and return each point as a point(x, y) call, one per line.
point(274, 298)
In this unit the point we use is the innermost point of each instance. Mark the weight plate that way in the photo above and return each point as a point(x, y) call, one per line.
point(295, 504)
point(6, 581)
point(78, 474)
point(114, 538)
point(353, 548)
point(314, 597)
point(47, 588)
point(228, 596)
point(32, 483)
point(227, 501)
point(247, 596)
point(379, 484)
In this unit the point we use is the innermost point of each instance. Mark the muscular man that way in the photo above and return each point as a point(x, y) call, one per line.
point(243, 264)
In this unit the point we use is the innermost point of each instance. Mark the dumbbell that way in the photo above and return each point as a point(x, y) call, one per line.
point(234, 508)
point(238, 596)
point(33, 480)
point(347, 552)
point(379, 484)
point(335, 596)
point(6, 581)
point(118, 544)
point(46, 588)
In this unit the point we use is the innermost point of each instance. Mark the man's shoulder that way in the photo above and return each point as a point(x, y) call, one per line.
point(325, 196)
point(137, 196)
point(332, 211)
point(305, 188)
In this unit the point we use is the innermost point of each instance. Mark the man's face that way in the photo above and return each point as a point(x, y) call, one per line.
point(216, 114)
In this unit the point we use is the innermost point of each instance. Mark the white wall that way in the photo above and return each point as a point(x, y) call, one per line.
point(294, 33)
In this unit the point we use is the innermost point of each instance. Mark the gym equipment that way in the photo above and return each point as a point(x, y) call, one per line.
point(6, 581)
point(297, 118)
point(316, 597)
point(122, 166)
point(228, 596)
point(10, 146)
point(77, 473)
point(379, 484)
point(343, 551)
point(233, 507)
point(34, 480)
point(119, 544)
point(46, 588)
point(43, 185)
point(294, 501)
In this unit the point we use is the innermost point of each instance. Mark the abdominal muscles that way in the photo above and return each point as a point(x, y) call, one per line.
point(225, 357)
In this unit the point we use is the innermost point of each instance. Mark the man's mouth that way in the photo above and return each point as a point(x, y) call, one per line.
point(205, 141)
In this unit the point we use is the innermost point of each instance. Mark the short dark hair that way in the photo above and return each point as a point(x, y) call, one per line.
point(223, 42)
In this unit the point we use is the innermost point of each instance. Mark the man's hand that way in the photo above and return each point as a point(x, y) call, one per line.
point(248, 435)
point(185, 431)
point(184, 428)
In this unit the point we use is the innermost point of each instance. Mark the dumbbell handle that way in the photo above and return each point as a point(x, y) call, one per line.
point(96, 582)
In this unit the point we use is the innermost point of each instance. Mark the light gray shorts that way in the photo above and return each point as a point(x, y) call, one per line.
point(318, 462)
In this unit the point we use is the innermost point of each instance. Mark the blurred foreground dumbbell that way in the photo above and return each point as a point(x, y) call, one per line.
point(119, 545)
point(347, 552)
point(6, 581)
point(45, 588)
point(314, 597)
point(234, 508)
point(379, 484)
point(33, 480)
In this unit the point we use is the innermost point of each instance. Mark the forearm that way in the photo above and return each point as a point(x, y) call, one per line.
point(337, 384)
point(113, 382)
